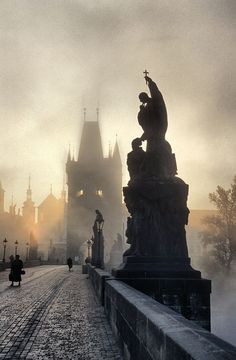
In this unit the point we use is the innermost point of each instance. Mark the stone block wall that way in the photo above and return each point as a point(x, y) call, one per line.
point(148, 330)
point(98, 277)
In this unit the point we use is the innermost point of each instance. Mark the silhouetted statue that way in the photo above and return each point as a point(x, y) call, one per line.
point(155, 197)
point(99, 221)
point(135, 159)
point(116, 252)
point(16, 270)
point(69, 263)
point(98, 241)
point(157, 261)
point(152, 116)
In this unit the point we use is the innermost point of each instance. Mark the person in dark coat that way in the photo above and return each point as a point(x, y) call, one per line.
point(16, 268)
point(69, 263)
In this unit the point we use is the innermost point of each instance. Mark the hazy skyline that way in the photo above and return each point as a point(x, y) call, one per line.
point(58, 57)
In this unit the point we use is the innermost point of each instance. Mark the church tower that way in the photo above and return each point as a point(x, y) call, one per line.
point(28, 209)
point(94, 182)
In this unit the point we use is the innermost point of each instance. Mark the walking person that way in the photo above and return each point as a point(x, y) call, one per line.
point(69, 263)
point(16, 270)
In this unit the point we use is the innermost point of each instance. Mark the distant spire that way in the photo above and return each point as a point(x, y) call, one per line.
point(12, 209)
point(73, 155)
point(116, 152)
point(97, 111)
point(50, 189)
point(69, 155)
point(85, 110)
point(29, 191)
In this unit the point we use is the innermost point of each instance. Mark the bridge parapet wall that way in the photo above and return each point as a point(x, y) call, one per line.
point(149, 330)
point(98, 278)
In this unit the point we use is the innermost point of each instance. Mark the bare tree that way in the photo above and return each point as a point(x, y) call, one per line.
point(220, 235)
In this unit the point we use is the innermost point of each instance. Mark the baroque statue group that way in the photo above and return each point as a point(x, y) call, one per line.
point(155, 197)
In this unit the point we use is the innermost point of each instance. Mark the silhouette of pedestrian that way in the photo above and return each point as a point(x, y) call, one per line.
point(69, 263)
point(16, 270)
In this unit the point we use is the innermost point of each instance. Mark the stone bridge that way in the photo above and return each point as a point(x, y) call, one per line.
point(57, 314)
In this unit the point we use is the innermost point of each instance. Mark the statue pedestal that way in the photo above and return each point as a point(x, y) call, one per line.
point(149, 267)
point(157, 262)
point(172, 282)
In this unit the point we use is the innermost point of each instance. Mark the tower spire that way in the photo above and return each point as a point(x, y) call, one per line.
point(85, 113)
point(29, 191)
point(116, 152)
point(97, 111)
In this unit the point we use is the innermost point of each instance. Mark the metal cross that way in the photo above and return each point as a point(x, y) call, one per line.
point(146, 72)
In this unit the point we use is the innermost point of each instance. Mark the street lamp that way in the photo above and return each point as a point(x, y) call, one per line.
point(27, 251)
point(16, 244)
point(4, 250)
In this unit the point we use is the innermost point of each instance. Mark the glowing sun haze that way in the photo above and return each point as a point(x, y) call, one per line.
point(60, 56)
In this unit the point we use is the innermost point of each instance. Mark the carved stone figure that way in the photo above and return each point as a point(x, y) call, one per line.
point(99, 221)
point(155, 198)
point(135, 159)
point(157, 261)
point(98, 241)
point(152, 116)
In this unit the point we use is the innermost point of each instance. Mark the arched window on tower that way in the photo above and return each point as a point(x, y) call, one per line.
point(99, 193)
point(80, 193)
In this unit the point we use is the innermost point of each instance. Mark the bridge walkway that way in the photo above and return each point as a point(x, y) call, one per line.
point(53, 315)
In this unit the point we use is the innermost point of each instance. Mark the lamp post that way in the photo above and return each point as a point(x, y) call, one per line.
point(4, 250)
point(27, 251)
point(16, 245)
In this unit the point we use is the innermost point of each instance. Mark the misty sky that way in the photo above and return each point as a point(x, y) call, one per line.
point(57, 57)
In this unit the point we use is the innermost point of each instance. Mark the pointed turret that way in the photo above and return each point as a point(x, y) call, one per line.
point(28, 209)
point(29, 191)
point(116, 153)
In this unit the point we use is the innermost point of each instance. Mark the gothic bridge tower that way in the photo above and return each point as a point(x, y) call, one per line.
point(94, 182)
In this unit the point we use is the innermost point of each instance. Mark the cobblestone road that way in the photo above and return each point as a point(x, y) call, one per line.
point(53, 315)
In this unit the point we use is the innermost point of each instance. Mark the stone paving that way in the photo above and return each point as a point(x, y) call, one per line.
point(54, 315)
